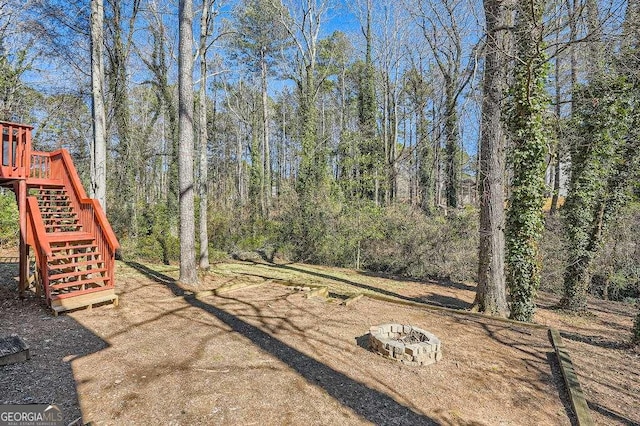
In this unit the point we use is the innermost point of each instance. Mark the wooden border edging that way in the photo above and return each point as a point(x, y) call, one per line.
point(352, 299)
point(322, 292)
point(578, 401)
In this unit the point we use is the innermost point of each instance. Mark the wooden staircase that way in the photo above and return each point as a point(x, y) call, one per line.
point(71, 239)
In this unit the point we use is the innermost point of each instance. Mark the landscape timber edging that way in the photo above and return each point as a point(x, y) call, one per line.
point(352, 299)
point(576, 395)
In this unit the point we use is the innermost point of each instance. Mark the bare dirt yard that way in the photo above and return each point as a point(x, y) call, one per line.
point(269, 354)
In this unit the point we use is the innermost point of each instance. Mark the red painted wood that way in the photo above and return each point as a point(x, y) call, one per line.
point(94, 281)
point(76, 273)
point(55, 249)
point(61, 222)
point(70, 237)
point(75, 265)
point(80, 292)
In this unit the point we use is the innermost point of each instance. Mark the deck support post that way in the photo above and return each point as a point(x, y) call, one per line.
point(24, 255)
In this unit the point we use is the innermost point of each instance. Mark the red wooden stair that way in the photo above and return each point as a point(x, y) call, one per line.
point(71, 239)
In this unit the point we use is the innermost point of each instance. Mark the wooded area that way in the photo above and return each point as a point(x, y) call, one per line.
point(419, 138)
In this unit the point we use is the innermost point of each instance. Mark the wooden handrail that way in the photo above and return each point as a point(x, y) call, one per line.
point(37, 226)
point(12, 124)
point(81, 195)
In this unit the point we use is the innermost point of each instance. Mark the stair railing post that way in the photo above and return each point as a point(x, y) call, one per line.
point(24, 260)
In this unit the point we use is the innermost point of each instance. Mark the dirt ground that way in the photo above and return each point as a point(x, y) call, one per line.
point(270, 355)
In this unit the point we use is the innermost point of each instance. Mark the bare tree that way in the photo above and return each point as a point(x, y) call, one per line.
point(99, 152)
point(205, 31)
point(444, 26)
point(303, 20)
point(188, 271)
point(491, 290)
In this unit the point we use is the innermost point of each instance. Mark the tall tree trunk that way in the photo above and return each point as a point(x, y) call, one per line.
point(265, 135)
point(452, 149)
point(119, 51)
point(556, 154)
point(99, 154)
point(425, 163)
point(525, 221)
point(203, 137)
point(491, 291)
point(437, 164)
point(188, 273)
point(239, 168)
point(370, 154)
point(595, 61)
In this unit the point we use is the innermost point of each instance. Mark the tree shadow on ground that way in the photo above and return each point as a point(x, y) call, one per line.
point(434, 299)
point(445, 282)
point(595, 340)
point(445, 301)
point(611, 414)
point(368, 403)
point(54, 342)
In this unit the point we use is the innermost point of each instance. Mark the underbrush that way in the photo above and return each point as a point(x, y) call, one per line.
point(8, 219)
point(398, 239)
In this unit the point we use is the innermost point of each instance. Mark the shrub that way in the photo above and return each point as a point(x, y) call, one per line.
point(420, 246)
point(9, 228)
point(616, 269)
point(553, 255)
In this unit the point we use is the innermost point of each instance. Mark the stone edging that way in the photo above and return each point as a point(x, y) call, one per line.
point(383, 339)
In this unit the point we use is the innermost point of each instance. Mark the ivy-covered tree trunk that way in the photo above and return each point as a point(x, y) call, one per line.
point(425, 163)
point(602, 111)
point(256, 176)
point(526, 109)
point(451, 148)
point(370, 158)
point(310, 171)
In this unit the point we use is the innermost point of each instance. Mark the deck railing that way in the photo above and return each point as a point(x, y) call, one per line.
point(40, 165)
point(15, 150)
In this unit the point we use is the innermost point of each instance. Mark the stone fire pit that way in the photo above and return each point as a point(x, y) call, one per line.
point(406, 343)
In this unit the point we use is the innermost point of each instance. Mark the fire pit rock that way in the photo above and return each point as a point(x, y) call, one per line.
point(405, 343)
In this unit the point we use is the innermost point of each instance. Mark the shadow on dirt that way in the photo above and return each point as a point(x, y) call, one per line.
point(438, 300)
point(370, 404)
point(54, 342)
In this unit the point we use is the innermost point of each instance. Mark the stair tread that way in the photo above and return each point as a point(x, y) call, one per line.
point(72, 300)
point(77, 273)
point(80, 246)
point(76, 255)
point(62, 286)
point(74, 264)
point(69, 237)
point(66, 214)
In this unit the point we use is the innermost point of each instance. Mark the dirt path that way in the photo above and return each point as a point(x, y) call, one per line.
point(269, 355)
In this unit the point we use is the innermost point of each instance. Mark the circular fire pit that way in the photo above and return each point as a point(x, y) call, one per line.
point(406, 343)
